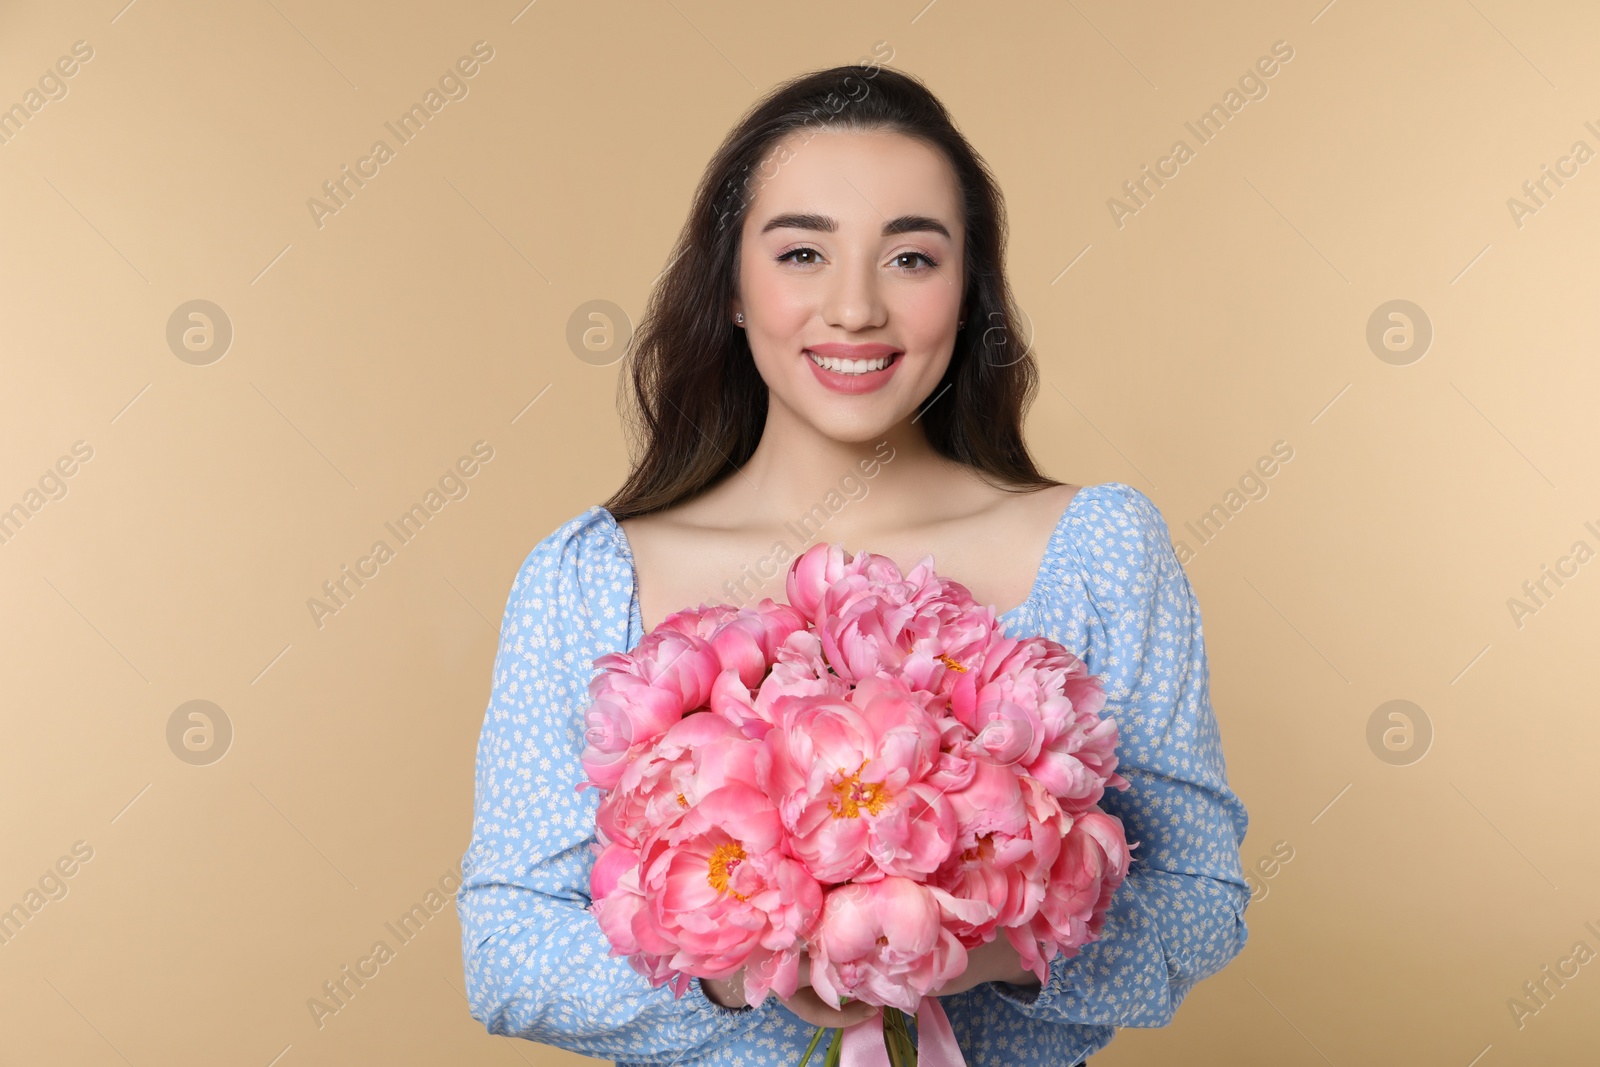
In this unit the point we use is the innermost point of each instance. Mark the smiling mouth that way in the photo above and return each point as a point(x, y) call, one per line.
point(852, 366)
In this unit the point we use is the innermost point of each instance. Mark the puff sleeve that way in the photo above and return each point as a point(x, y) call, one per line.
point(1179, 915)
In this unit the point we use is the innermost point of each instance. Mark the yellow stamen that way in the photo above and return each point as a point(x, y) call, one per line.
point(854, 794)
point(724, 858)
point(952, 664)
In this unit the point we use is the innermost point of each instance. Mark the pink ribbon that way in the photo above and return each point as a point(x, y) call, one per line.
point(863, 1044)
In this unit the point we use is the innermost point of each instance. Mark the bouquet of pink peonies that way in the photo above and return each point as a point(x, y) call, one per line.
point(873, 777)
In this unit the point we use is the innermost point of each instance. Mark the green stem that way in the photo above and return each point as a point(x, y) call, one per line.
point(835, 1049)
point(897, 1038)
point(811, 1047)
point(889, 1044)
point(910, 1043)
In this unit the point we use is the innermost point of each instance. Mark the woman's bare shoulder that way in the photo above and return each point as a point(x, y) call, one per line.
point(683, 524)
point(1026, 513)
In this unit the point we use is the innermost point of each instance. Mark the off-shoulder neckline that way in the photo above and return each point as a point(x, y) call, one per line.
point(624, 548)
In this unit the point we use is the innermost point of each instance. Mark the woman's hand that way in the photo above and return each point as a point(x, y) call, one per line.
point(729, 992)
point(993, 961)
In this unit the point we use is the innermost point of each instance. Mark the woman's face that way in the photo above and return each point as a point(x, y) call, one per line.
point(852, 249)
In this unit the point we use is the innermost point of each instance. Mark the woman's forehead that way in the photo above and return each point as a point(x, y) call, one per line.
point(856, 179)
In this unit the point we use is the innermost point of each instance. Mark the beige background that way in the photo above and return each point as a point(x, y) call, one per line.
point(1230, 312)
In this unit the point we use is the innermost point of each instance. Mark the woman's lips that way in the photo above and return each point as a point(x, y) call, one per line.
point(840, 350)
point(854, 384)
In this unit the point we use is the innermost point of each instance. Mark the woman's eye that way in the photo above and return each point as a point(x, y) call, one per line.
point(915, 262)
point(899, 259)
point(795, 252)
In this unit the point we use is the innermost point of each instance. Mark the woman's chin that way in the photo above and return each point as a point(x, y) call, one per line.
point(867, 426)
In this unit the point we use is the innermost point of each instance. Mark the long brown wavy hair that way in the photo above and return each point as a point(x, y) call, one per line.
point(700, 405)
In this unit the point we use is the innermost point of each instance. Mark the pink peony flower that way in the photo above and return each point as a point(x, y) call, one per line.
point(638, 695)
point(821, 567)
point(1078, 761)
point(614, 861)
point(1033, 703)
point(621, 913)
point(719, 893)
point(700, 622)
point(1003, 717)
point(886, 942)
point(873, 620)
point(747, 642)
point(864, 621)
point(1092, 864)
point(852, 777)
point(947, 636)
point(798, 670)
point(699, 753)
point(1009, 835)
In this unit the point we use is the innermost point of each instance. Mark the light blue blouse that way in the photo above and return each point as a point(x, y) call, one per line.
point(1109, 588)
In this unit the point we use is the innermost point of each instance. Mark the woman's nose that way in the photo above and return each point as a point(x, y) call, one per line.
point(854, 301)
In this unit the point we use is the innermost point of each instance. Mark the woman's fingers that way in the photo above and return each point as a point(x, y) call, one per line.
point(813, 1009)
point(810, 1007)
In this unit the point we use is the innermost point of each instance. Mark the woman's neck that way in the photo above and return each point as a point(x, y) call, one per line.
point(892, 480)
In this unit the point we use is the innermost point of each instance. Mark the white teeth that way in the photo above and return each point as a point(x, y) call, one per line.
point(850, 366)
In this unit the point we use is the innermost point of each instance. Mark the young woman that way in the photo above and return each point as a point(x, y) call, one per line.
point(833, 355)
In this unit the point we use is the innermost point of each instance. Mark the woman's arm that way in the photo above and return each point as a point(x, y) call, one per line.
point(537, 964)
point(1179, 916)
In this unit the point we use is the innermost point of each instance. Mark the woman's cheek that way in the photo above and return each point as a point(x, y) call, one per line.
point(930, 308)
point(927, 317)
point(778, 305)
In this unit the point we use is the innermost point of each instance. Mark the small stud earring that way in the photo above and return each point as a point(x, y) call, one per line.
point(961, 323)
point(738, 317)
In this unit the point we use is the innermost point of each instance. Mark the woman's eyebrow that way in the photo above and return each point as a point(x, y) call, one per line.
point(824, 224)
